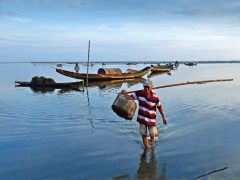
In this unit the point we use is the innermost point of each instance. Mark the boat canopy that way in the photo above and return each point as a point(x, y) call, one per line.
point(109, 71)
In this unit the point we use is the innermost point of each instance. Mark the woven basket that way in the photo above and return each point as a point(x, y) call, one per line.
point(124, 106)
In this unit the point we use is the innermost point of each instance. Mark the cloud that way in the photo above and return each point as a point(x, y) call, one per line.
point(214, 10)
point(122, 27)
point(118, 12)
point(9, 15)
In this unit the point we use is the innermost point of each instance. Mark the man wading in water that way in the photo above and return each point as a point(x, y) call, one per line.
point(148, 104)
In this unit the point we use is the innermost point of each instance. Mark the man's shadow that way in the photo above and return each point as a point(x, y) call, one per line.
point(148, 166)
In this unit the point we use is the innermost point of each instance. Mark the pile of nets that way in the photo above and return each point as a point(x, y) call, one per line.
point(42, 80)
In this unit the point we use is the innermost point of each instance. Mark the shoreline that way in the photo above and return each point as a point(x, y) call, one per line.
point(125, 62)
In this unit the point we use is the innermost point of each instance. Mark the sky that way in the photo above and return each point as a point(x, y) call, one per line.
point(131, 30)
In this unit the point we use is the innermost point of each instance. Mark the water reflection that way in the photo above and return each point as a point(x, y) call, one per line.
point(89, 111)
point(148, 166)
point(153, 74)
point(43, 90)
point(122, 177)
point(115, 83)
point(63, 91)
point(35, 134)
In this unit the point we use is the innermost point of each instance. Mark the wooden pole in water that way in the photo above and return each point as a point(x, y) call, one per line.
point(88, 60)
point(189, 82)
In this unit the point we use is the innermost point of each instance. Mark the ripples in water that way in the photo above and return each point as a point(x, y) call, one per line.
point(77, 135)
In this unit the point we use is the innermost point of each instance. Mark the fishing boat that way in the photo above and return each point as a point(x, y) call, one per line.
point(59, 65)
point(43, 82)
point(131, 63)
point(159, 69)
point(53, 85)
point(190, 64)
point(166, 66)
point(105, 76)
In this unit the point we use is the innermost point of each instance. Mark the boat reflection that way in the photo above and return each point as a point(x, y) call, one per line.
point(103, 85)
point(153, 74)
point(122, 177)
point(114, 83)
point(43, 90)
point(148, 166)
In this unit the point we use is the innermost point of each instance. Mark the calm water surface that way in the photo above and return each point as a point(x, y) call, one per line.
point(76, 135)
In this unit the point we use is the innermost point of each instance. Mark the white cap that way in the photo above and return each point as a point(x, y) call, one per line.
point(148, 82)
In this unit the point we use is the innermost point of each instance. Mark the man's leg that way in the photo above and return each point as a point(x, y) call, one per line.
point(152, 132)
point(152, 137)
point(145, 141)
point(143, 132)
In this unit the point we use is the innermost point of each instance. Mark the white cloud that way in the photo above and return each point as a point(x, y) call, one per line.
point(156, 30)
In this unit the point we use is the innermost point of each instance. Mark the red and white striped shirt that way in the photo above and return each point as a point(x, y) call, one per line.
point(147, 107)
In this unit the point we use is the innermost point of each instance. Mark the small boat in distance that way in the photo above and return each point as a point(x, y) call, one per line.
point(166, 66)
point(88, 64)
point(160, 69)
point(131, 63)
point(105, 76)
point(190, 64)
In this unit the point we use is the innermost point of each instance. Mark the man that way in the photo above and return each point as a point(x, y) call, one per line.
point(77, 68)
point(148, 103)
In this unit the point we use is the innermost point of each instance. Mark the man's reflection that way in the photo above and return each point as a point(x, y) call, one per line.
point(148, 166)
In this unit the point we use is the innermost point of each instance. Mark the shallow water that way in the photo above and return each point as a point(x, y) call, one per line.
point(76, 135)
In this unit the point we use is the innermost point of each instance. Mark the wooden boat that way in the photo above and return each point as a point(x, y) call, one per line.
point(190, 64)
point(104, 77)
point(88, 64)
point(131, 70)
point(157, 69)
point(68, 85)
point(166, 66)
point(131, 63)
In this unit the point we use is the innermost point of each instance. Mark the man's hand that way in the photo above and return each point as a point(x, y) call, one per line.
point(164, 121)
point(124, 92)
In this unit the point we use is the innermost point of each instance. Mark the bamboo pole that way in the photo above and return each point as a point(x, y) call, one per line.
point(188, 83)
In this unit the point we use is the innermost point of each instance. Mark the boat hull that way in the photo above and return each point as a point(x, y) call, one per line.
point(104, 77)
point(54, 85)
point(156, 69)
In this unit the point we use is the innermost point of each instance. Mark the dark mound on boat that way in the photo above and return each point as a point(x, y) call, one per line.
point(42, 81)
